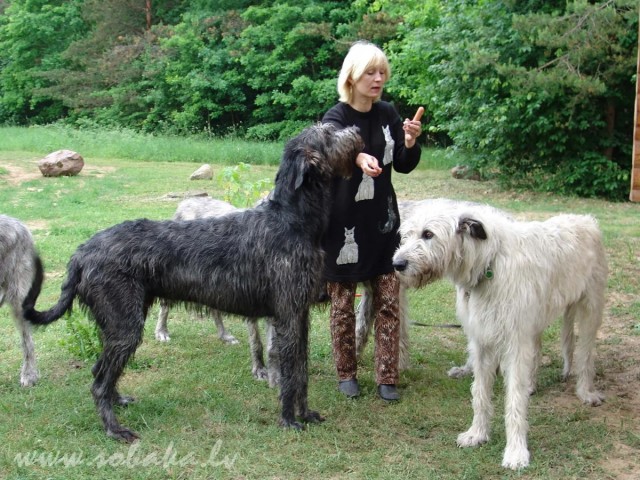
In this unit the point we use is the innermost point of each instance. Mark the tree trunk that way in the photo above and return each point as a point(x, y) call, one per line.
point(634, 196)
point(147, 10)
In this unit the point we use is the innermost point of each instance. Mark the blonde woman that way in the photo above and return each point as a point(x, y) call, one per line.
point(363, 230)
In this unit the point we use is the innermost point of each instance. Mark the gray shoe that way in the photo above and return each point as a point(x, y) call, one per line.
point(388, 393)
point(349, 388)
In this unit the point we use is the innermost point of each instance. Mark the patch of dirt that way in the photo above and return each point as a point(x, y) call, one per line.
point(17, 175)
point(618, 377)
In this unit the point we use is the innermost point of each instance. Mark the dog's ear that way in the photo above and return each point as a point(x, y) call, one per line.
point(300, 174)
point(473, 227)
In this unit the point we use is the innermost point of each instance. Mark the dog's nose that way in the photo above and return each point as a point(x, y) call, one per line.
point(400, 265)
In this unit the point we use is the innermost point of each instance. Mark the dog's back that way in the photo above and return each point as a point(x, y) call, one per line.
point(562, 259)
point(202, 207)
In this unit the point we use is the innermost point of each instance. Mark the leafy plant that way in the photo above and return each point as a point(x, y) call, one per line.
point(238, 191)
point(82, 337)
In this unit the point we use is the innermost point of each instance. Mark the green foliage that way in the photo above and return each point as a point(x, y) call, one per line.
point(288, 56)
point(238, 190)
point(33, 35)
point(82, 337)
point(540, 94)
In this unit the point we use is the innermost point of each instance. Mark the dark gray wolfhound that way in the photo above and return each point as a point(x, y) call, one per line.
point(261, 262)
point(20, 281)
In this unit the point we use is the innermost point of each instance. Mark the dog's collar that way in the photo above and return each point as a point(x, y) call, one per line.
point(488, 273)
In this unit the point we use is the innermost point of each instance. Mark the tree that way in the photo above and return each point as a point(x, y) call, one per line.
point(540, 91)
point(33, 35)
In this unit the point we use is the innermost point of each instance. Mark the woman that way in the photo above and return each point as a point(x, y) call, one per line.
point(363, 230)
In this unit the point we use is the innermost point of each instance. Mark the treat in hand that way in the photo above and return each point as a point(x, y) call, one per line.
point(418, 114)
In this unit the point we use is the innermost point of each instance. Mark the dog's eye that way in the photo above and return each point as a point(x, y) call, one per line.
point(427, 235)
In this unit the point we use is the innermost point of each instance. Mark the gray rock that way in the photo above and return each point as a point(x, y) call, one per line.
point(205, 172)
point(61, 163)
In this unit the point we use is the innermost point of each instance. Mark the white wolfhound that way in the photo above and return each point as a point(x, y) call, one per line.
point(20, 278)
point(513, 279)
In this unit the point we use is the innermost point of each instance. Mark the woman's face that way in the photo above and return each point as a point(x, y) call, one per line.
point(369, 85)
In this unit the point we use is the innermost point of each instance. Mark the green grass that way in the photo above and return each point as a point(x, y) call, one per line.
point(202, 415)
point(137, 146)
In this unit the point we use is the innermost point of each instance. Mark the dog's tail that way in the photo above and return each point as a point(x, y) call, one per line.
point(36, 284)
point(64, 302)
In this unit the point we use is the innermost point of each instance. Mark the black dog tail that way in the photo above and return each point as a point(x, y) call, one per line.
point(64, 303)
point(36, 284)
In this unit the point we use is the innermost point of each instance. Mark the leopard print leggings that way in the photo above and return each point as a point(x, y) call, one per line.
point(387, 324)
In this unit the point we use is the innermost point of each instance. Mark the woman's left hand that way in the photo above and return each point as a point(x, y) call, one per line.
point(412, 130)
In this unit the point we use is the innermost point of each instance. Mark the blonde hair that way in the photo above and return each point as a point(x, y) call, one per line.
point(361, 56)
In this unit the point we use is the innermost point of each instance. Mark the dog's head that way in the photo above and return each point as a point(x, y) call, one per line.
point(321, 152)
point(438, 240)
point(426, 248)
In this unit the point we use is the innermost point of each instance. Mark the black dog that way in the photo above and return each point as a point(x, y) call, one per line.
point(262, 262)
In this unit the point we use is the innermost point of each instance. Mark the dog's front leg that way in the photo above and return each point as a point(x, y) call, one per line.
point(484, 373)
point(517, 368)
point(292, 335)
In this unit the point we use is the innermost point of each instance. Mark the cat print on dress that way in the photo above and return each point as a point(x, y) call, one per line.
point(349, 251)
point(366, 190)
point(389, 144)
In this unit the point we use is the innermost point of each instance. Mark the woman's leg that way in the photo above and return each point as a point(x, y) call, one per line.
point(386, 290)
point(343, 328)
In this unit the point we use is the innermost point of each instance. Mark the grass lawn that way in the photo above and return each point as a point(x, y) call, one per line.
point(200, 413)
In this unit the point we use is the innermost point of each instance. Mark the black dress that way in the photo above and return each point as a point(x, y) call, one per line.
point(363, 229)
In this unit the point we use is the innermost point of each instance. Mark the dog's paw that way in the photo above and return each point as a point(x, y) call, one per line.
point(123, 434)
point(124, 400)
point(29, 379)
point(515, 458)
point(291, 424)
point(471, 438)
point(260, 373)
point(229, 339)
point(459, 372)
point(593, 397)
point(163, 336)
point(312, 417)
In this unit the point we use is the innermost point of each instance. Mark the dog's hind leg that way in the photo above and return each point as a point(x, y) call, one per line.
point(122, 330)
point(107, 372)
point(537, 360)
point(222, 331)
point(258, 368)
point(462, 312)
point(29, 373)
point(568, 342)
point(273, 355)
point(162, 332)
point(463, 370)
point(588, 318)
point(364, 318)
